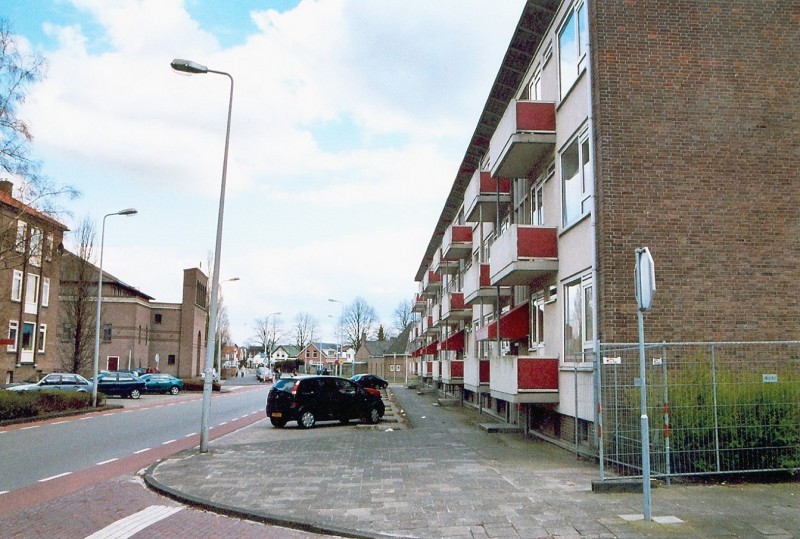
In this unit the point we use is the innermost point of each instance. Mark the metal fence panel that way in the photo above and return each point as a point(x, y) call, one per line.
point(724, 407)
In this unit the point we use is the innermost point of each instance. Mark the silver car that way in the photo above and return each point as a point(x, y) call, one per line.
point(57, 380)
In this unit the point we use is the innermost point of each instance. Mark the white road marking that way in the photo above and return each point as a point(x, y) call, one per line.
point(4, 492)
point(31, 427)
point(168, 442)
point(106, 462)
point(141, 451)
point(129, 526)
point(54, 477)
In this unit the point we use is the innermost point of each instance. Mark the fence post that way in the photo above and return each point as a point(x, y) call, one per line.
point(716, 411)
point(598, 401)
point(667, 431)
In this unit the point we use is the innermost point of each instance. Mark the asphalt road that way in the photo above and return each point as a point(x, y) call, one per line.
point(44, 451)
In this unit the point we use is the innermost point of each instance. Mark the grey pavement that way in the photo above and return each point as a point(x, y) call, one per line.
point(440, 475)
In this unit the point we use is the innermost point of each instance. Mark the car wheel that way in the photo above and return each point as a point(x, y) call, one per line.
point(174, 390)
point(277, 422)
point(135, 394)
point(307, 420)
point(373, 416)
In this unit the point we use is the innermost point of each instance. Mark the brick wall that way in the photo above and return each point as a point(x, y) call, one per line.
point(697, 109)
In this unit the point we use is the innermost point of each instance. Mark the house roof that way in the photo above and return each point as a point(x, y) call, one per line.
point(107, 277)
point(290, 349)
point(533, 24)
point(24, 209)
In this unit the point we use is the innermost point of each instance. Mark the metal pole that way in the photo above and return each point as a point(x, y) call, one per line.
point(645, 424)
point(95, 364)
point(212, 321)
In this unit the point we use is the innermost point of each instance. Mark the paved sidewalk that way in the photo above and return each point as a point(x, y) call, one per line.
point(444, 477)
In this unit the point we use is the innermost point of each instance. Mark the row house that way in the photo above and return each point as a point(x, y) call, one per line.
point(31, 244)
point(611, 126)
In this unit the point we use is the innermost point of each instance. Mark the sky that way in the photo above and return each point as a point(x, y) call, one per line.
point(350, 119)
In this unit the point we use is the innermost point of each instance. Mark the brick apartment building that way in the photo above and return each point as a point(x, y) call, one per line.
point(137, 332)
point(30, 247)
point(613, 125)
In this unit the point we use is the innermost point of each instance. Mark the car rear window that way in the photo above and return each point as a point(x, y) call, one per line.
point(284, 384)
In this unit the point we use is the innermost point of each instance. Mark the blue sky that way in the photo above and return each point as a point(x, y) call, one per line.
point(350, 119)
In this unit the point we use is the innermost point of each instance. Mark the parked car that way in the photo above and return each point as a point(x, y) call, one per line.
point(263, 375)
point(308, 399)
point(137, 372)
point(161, 383)
point(57, 380)
point(214, 377)
point(123, 384)
point(369, 380)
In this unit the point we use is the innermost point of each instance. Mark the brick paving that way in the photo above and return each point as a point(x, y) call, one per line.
point(444, 477)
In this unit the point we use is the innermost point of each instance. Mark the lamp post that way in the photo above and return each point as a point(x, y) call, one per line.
point(187, 66)
point(95, 364)
point(341, 337)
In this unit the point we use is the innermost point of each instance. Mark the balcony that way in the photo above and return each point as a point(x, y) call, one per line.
point(420, 304)
point(428, 327)
point(515, 325)
point(431, 283)
point(453, 371)
point(436, 315)
point(454, 343)
point(524, 379)
point(525, 136)
point(454, 309)
point(523, 253)
point(482, 197)
point(457, 242)
point(442, 265)
point(478, 287)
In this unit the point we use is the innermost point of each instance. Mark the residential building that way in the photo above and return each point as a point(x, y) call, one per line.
point(138, 332)
point(613, 126)
point(387, 359)
point(30, 247)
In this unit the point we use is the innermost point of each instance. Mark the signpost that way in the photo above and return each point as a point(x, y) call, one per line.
point(645, 290)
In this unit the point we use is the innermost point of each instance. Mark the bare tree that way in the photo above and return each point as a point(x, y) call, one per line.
point(20, 69)
point(269, 331)
point(358, 322)
point(78, 301)
point(402, 316)
point(305, 330)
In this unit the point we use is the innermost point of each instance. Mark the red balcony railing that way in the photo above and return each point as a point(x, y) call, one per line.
point(525, 135)
point(523, 253)
point(483, 194)
point(457, 242)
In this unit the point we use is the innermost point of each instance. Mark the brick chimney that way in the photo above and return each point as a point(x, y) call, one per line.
point(6, 187)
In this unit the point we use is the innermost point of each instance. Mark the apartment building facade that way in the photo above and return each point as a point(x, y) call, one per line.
point(30, 248)
point(611, 126)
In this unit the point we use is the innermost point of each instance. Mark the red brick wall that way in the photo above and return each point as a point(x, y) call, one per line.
point(697, 109)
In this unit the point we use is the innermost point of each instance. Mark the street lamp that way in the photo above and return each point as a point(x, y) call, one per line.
point(341, 338)
point(187, 66)
point(95, 364)
point(219, 341)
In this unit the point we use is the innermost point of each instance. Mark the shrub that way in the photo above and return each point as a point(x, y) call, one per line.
point(196, 384)
point(31, 404)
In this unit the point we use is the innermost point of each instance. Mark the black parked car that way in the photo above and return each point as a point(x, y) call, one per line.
point(308, 399)
point(369, 380)
point(124, 384)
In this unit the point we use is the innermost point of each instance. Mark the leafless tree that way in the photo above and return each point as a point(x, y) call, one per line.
point(269, 330)
point(20, 69)
point(78, 301)
point(305, 330)
point(402, 316)
point(358, 323)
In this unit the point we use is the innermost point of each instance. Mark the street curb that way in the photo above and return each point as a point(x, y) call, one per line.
point(256, 516)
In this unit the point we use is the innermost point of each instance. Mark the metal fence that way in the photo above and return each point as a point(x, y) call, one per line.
point(713, 408)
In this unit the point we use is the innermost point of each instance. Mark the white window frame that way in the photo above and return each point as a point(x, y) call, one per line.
point(577, 189)
point(36, 247)
point(582, 285)
point(31, 293)
point(16, 286)
point(572, 53)
point(22, 228)
point(42, 338)
point(13, 334)
point(46, 292)
point(537, 329)
point(535, 86)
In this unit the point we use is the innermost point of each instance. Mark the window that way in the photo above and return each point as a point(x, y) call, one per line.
point(573, 43)
point(106, 332)
point(157, 318)
point(577, 179)
point(537, 204)
point(42, 337)
point(13, 329)
point(48, 247)
point(46, 292)
point(535, 87)
point(31, 293)
point(578, 319)
point(522, 201)
point(28, 336)
point(36, 247)
point(16, 286)
point(22, 228)
point(537, 319)
point(171, 359)
point(67, 332)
